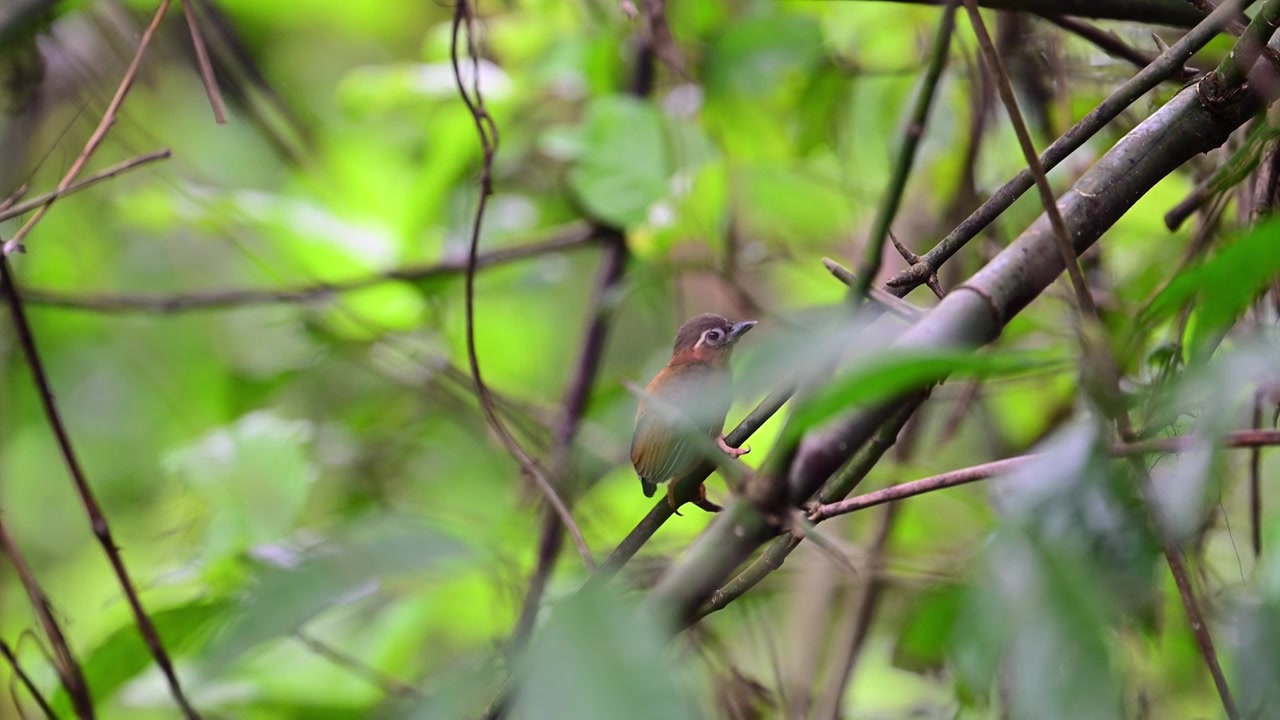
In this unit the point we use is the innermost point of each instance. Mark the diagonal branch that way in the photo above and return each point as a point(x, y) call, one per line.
point(967, 318)
point(63, 661)
point(984, 471)
point(487, 130)
point(911, 134)
point(14, 243)
point(1153, 12)
point(97, 520)
point(1169, 62)
point(26, 206)
point(25, 679)
point(572, 237)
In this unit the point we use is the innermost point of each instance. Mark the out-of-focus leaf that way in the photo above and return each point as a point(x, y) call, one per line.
point(1073, 558)
point(1256, 639)
point(253, 475)
point(1226, 283)
point(1075, 499)
point(625, 166)
point(122, 655)
point(797, 205)
point(926, 633)
point(354, 562)
point(598, 656)
point(753, 56)
point(889, 374)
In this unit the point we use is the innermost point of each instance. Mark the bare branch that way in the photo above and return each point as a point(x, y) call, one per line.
point(64, 661)
point(487, 131)
point(578, 235)
point(202, 61)
point(108, 119)
point(97, 520)
point(26, 681)
point(873, 253)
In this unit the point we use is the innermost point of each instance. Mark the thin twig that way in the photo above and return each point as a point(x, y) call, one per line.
point(574, 405)
point(860, 629)
point(64, 661)
point(571, 238)
point(202, 61)
point(964, 476)
point(892, 303)
point(389, 685)
point(836, 488)
point(1003, 198)
point(26, 681)
point(97, 520)
point(26, 206)
point(487, 130)
point(1255, 481)
point(1235, 27)
point(911, 134)
point(1005, 88)
point(1112, 45)
point(108, 119)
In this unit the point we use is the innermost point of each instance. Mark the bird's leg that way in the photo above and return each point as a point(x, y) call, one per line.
point(731, 451)
point(671, 497)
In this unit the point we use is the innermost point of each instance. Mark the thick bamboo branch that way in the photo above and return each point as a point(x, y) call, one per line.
point(970, 316)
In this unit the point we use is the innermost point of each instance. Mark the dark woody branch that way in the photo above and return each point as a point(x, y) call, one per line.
point(969, 317)
point(1176, 13)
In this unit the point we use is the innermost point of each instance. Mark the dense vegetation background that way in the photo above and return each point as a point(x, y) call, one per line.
point(255, 348)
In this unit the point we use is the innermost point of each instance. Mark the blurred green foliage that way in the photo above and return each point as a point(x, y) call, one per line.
point(314, 509)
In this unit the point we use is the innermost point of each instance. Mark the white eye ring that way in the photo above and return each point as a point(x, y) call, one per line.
point(714, 336)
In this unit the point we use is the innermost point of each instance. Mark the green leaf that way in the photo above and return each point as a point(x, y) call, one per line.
point(895, 372)
point(625, 165)
point(350, 564)
point(229, 468)
point(926, 632)
point(598, 656)
point(1226, 283)
point(122, 656)
point(755, 55)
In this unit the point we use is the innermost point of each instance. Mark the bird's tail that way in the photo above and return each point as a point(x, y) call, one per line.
point(648, 487)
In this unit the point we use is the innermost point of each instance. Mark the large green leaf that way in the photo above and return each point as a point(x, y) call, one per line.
point(354, 561)
point(892, 373)
point(926, 633)
point(122, 656)
point(254, 477)
point(625, 165)
point(1225, 284)
point(599, 656)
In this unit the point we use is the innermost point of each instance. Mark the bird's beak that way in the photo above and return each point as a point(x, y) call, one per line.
point(740, 329)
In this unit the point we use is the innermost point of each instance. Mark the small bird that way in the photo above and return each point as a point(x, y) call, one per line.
point(697, 384)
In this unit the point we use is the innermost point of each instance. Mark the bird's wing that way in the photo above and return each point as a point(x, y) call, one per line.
point(661, 449)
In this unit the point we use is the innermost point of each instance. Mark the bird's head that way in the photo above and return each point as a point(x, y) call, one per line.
point(708, 338)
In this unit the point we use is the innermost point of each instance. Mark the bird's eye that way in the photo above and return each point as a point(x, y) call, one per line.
point(714, 336)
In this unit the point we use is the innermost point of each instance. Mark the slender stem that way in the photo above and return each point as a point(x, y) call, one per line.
point(572, 237)
point(487, 131)
point(1153, 12)
point(99, 133)
point(97, 519)
point(39, 201)
point(25, 679)
point(202, 61)
point(1169, 62)
point(964, 476)
point(910, 142)
point(64, 661)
